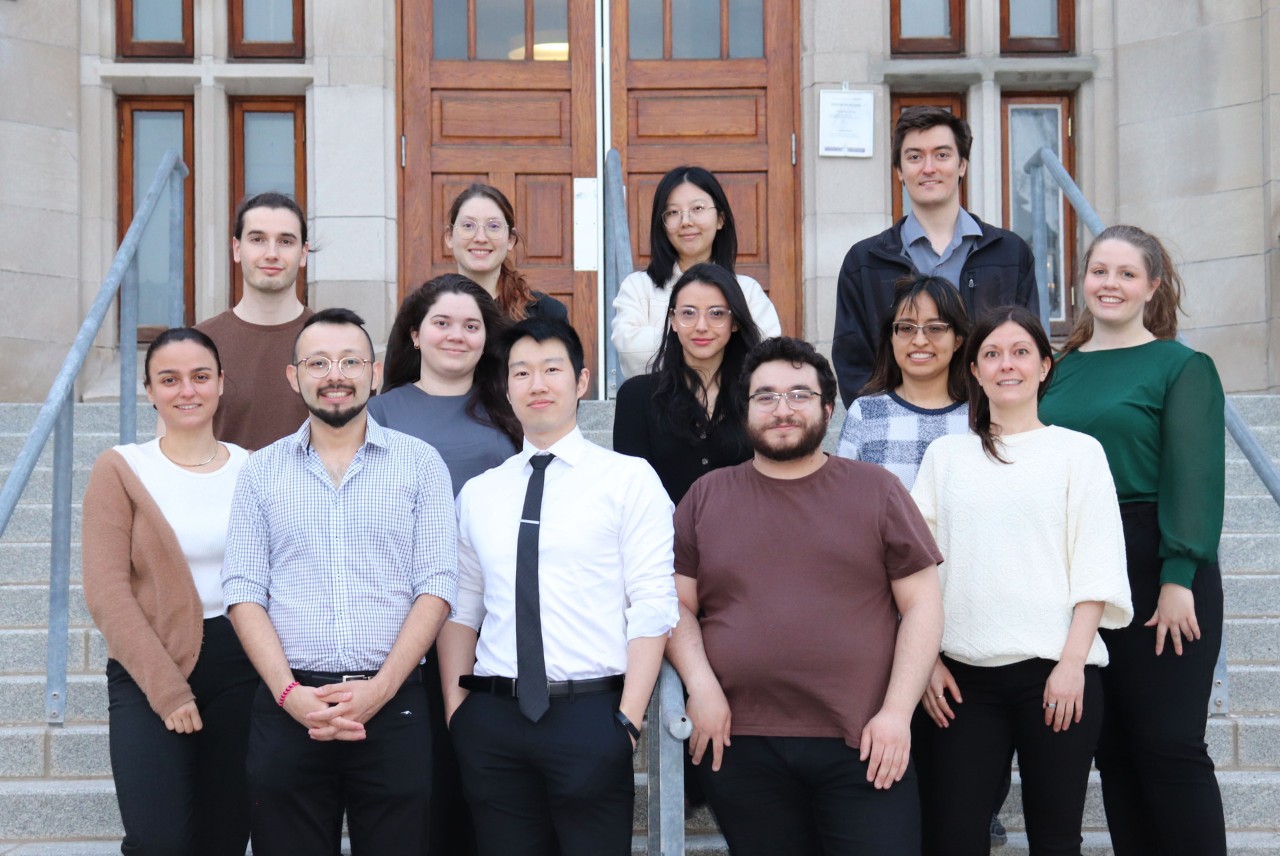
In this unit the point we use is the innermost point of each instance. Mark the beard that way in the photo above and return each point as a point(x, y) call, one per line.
point(334, 418)
point(803, 446)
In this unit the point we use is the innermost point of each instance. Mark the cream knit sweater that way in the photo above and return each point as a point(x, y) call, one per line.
point(1023, 543)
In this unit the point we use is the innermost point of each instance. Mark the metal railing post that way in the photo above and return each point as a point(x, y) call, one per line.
point(664, 753)
point(1040, 244)
point(617, 255)
point(129, 354)
point(177, 241)
point(55, 698)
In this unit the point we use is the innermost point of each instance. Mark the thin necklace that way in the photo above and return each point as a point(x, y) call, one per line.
point(216, 448)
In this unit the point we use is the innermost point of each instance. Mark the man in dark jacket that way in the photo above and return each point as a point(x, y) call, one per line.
point(990, 266)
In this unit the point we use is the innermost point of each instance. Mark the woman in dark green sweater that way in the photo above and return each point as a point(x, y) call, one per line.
point(1157, 408)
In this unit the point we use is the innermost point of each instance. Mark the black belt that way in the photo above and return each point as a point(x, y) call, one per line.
point(557, 689)
point(322, 679)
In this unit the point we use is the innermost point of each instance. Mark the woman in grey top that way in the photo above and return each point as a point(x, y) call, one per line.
point(443, 381)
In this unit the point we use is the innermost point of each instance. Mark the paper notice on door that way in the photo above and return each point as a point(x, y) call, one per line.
point(846, 123)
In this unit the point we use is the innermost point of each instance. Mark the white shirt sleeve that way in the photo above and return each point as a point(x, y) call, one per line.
point(648, 571)
point(469, 609)
point(762, 308)
point(1096, 559)
point(636, 329)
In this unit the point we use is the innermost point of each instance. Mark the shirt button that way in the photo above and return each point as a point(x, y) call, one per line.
point(705, 462)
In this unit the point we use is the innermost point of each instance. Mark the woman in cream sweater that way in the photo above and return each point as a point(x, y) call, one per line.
point(178, 683)
point(1027, 518)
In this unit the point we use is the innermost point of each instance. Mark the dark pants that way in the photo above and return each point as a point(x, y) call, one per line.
point(185, 794)
point(808, 796)
point(1158, 783)
point(962, 765)
point(450, 830)
point(563, 785)
point(300, 787)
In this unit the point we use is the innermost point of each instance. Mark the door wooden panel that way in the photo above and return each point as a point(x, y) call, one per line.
point(527, 127)
point(734, 116)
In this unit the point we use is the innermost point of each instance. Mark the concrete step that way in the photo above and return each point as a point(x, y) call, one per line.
point(31, 523)
point(40, 486)
point(28, 562)
point(1250, 514)
point(28, 606)
point(1250, 554)
point(73, 751)
point(1258, 410)
point(1242, 480)
point(1252, 640)
point(22, 700)
point(17, 418)
point(24, 651)
point(85, 448)
point(1255, 689)
point(1251, 595)
point(1268, 436)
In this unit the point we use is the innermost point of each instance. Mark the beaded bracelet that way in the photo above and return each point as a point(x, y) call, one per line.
point(286, 692)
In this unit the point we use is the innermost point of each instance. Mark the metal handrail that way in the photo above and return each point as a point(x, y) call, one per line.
point(617, 256)
point(56, 414)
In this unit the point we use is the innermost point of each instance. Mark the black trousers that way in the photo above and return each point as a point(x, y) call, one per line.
point(563, 785)
point(450, 830)
point(962, 765)
point(1158, 784)
point(300, 787)
point(808, 796)
point(183, 794)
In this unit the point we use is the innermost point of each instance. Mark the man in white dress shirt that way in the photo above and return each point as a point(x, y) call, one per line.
point(546, 758)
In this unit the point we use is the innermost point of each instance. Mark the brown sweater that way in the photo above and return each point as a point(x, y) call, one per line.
point(138, 585)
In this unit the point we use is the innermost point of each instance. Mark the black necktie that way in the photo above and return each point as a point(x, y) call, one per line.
point(531, 667)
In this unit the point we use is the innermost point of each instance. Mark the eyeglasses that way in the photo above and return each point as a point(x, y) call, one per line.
point(687, 316)
point(933, 331)
point(797, 399)
point(348, 367)
point(697, 213)
point(468, 228)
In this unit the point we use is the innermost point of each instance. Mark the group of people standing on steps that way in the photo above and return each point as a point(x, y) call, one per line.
point(410, 593)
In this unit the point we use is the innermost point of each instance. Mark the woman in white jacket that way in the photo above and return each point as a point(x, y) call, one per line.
point(691, 223)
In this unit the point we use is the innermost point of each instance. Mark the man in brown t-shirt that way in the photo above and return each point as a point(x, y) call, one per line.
point(255, 339)
point(815, 583)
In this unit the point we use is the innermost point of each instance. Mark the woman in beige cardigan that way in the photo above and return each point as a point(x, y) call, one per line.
point(179, 684)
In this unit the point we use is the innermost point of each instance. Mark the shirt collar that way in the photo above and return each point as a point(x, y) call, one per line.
point(374, 435)
point(570, 448)
point(965, 227)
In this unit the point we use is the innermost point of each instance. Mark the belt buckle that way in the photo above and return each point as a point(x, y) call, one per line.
point(346, 678)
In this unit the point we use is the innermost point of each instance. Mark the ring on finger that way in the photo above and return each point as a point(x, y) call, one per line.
point(1051, 705)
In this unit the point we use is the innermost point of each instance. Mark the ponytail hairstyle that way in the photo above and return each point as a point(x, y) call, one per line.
point(662, 255)
point(979, 404)
point(1160, 316)
point(886, 374)
point(488, 402)
point(513, 292)
point(675, 391)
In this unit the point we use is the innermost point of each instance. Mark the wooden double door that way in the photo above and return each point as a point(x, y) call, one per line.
point(667, 82)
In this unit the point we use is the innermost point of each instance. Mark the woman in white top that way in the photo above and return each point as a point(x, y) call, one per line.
point(1027, 518)
point(691, 223)
point(178, 682)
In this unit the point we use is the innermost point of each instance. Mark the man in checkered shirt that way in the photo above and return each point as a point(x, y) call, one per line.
point(341, 565)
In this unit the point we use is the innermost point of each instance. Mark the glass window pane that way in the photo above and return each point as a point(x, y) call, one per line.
point(1033, 19)
point(157, 20)
point(449, 26)
point(746, 28)
point(926, 19)
point(499, 29)
point(1030, 128)
point(550, 29)
point(695, 29)
point(268, 153)
point(268, 21)
point(645, 17)
point(154, 132)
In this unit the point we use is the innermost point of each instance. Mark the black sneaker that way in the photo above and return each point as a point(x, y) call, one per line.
point(998, 834)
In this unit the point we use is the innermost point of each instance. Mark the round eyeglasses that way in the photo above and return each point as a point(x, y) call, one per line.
point(697, 213)
point(348, 367)
point(933, 331)
point(468, 228)
point(797, 399)
point(687, 316)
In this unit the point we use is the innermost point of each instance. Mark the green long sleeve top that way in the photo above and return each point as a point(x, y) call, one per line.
point(1157, 410)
